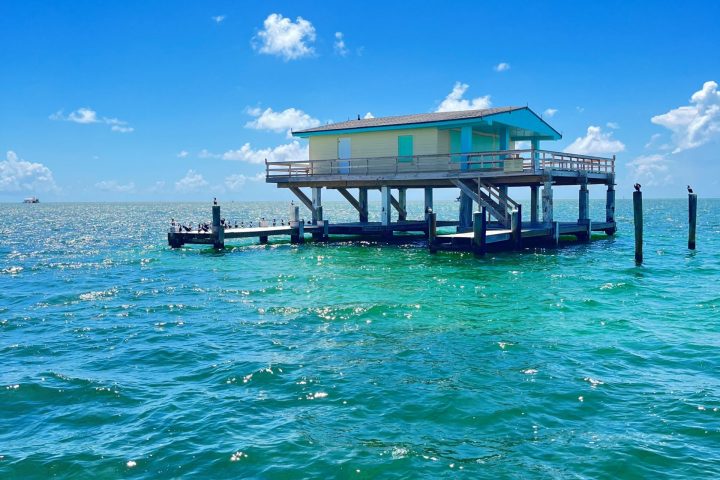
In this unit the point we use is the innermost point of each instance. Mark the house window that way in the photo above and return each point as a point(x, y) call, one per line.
point(405, 148)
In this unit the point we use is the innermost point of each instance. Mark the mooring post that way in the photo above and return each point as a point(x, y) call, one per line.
point(516, 227)
point(638, 216)
point(218, 231)
point(432, 231)
point(584, 208)
point(610, 207)
point(479, 231)
point(556, 233)
point(294, 224)
point(326, 230)
point(692, 217)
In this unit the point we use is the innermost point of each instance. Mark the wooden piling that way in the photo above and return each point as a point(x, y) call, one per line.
point(218, 231)
point(318, 221)
point(692, 219)
point(479, 231)
point(363, 201)
point(516, 227)
point(638, 216)
point(432, 231)
point(610, 207)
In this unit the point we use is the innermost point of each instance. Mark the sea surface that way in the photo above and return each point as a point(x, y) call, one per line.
point(123, 358)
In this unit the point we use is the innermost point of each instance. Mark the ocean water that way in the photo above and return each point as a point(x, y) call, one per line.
point(122, 358)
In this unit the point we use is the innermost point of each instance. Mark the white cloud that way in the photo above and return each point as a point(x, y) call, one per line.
point(596, 142)
point(114, 186)
point(88, 116)
point(651, 170)
point(580, 109)
point(281, 153)
point(287, 120)
point(17, 175)
point(237, 182)
point(369, 115)
point(183, 154)
point(695, 124)
point(218, 18)
point(192, 181)
point(522, 145)
point(613, 125)
point(339, 45)
point(502, 67)
point(282, 37)
point(455, 101)
point(549, 112)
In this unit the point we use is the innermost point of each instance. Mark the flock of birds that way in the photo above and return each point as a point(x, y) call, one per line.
point(206, 227)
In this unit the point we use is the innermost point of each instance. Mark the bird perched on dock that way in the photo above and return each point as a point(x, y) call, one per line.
point(637, 187)
point(690, 190)
point(214, 200)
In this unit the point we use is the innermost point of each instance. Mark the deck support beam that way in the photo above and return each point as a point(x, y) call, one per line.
point(465, 214)
point(302, 197)
point(584, 208)
point(349, 197)
point(534, 192)
point(428, 201)
point(547, 203)
point(399, 205)
point(317, 204)
point(610, 207)
point(385, 205)
point(363, 202)
point(402, 200)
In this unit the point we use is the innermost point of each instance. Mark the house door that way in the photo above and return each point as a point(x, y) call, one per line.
point(344, 154)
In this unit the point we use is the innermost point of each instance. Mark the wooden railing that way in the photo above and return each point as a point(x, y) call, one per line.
point(504, 161)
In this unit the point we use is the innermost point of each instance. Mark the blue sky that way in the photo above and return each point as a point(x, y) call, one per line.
point(180, 100)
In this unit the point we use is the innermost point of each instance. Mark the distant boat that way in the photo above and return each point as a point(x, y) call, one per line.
point(31, 200)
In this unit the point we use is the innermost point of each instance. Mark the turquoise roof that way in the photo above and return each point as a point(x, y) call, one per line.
point(522, 122)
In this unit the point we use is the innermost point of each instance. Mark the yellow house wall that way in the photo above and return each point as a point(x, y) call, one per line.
point(375, 144)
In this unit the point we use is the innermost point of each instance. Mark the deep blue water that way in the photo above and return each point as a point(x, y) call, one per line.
point(122, 358)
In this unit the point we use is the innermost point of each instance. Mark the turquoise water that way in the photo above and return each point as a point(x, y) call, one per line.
point(122, 358)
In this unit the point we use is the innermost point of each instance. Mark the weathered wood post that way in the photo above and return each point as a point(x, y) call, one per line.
point(584, 208)
point(218, 231)
point(318, 235)
point(547, 203)
point(316, 203)
point(432, 231)
point(363, 201)
point(610, 207)
point(516, 227)
point(692, 219)
point(385, 212)
point(402, 200)
point(479, 231)
point(556, 233)
point(428, 201)
point(638, 216)
point(296, 228)
point(465, 212)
